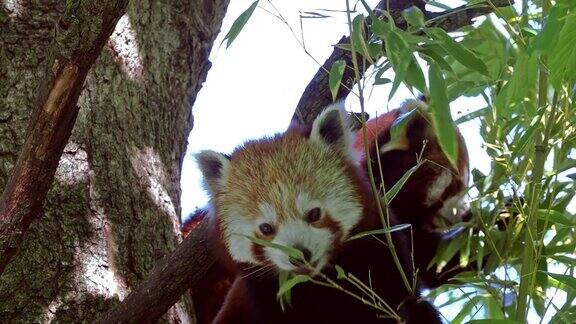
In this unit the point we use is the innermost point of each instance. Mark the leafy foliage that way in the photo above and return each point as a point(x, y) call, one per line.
point(521, 235)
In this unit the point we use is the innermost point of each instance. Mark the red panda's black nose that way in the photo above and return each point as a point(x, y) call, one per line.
point(307, 254)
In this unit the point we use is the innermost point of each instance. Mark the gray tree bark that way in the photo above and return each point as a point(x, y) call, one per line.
point(113, 208)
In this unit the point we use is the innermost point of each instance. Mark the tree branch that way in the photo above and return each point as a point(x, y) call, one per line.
point(168, 280)
point(188, 264)
point(317, 94)
point(80, 36)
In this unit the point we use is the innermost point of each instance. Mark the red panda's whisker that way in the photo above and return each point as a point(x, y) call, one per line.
point(268, 271)
point(262, 268)
point(251, 267)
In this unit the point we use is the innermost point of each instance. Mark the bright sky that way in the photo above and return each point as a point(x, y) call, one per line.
point(254, 85)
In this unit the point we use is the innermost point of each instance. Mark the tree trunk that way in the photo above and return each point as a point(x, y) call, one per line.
point(114, 207)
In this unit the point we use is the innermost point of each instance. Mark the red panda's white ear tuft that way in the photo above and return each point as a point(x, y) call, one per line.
point(331, 128)
point(214, 168)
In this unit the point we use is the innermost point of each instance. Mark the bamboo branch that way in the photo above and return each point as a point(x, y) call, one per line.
point(317, 94)
point(541, 150)
point(79, 38)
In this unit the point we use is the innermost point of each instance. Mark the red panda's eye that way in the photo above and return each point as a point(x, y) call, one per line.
point(266, 229)
point(313, 215)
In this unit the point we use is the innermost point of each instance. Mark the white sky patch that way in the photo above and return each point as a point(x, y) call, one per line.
point(125, 47)
point(14, 7)
point(152, 176)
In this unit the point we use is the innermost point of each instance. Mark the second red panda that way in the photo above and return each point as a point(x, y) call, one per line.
point(304, 189)
point(436, 186)
point(431, 199)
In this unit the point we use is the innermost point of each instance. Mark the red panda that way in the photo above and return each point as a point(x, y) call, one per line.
point(304, 189)
point(435, 189)
point(431, 198)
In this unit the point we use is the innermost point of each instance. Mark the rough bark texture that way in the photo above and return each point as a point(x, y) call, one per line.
point(80, 34)
point(174, 273)
point(113, 208)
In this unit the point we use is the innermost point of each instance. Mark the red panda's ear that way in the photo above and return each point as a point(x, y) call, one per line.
point(410, 111)
point(331, 128)
point(214, 167)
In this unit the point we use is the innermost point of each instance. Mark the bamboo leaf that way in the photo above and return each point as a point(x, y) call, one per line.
point(526, 139)
point(390, 194)
point(555, 217)
point(473, 115)
point(368, 10)
point(397, 50)
point(414, 16)
point(465, 252)
point(335, 78)
point(569, 261)
point(563, 57)
point(286, 298)
point(290, 283)
point(548, 37)
point(440, 111)
point(358, 38)
point(449, 250)
point(564, 316)
point(414, 76)
point(459, 52)
point(238, 24)
point(341, 274)
point(467, 309)
point(523, 79)
point(428, 53)
point(566, 280)
point(380, 28)
point(289, 251)
point(390, 229)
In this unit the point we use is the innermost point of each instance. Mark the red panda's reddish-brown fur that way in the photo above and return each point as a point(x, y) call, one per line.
point(395, 163)
point(284, 178)
point(428, 218)
point(417, 141)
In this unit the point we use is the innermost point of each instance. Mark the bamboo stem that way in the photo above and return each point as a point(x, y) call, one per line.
point(383, 212)
point(529, 263)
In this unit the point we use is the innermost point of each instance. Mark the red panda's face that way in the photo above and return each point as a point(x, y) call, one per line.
point(293, 190)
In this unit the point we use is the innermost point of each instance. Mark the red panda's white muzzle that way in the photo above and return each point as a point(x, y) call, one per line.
point(314, 243)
